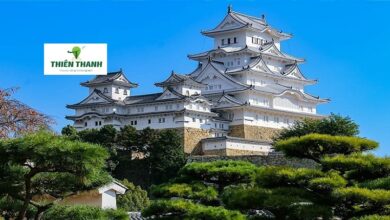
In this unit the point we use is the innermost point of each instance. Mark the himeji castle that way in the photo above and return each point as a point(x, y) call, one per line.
point(243, 91)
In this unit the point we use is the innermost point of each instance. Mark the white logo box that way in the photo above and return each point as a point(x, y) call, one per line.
point(60, 60)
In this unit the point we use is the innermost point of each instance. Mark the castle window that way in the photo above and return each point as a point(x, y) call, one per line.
point(96, 123)
point(188, 93)
point(117, 90)
point(85, 124)
point(223, 41)
point(266, 118)
point(105, 90)
point(161, 120)
point(100, 122)
point(140, 109)
point(149, 121)
point(125, 92)
point(228, 40)
point(193, 120)
point(235, 40)
point(276, 119)
point(201, 120)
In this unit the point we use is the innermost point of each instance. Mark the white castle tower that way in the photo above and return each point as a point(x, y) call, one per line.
point(242, 93)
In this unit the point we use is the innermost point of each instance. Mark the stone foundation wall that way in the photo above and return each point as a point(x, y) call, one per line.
point(272, 159)
point(253, 132)
point(192, 137)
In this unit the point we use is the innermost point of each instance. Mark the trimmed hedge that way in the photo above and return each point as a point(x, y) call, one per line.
point(373, 217)
point(328, 183)
point(381, 183)
point(196, 191)
point(358, 166)
point(186, 210)
point(65, 212)
point(367, 197)
point(291, 203)
point(222, 172)
point(315, 146)
point(276, 176)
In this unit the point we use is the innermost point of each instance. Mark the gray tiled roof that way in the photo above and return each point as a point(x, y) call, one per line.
point(247, 21)
point(137, 99)
point(109, 78)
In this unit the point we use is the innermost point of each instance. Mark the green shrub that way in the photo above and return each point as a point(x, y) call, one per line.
point(373, 217)
point(244, 197)
point(285, 176)
point(381, 183)
point(135, 198)
point(186, 210)
point(316, 146)
point(62, 212)
point(223, 172)
point(362, 195)
point(196, 191)
point(327, 183)
point(357, 166)
point(291, 203)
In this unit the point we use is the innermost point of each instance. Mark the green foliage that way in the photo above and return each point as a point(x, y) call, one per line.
point(9, 208)
point(186, 210)
point(244, 197)
point(135, 198)
point(316, 146)
point(373, 217)
point(220, 172)
point(195, 191)
point(362, 195)
point(354, 201)
point(332, 125)
point(287, 203)
point(328, 183)
point(166, 156)
point(62, 212)
point(70, 132)
point(380, 183)
point(275, 176)
point(155, 155)
point(358, 167)
point(43, 163)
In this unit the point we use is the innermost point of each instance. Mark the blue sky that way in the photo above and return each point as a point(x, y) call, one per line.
point(345, 44)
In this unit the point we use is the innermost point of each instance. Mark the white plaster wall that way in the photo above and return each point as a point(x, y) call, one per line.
point(109, 199)
point(240, 40)
point(236, 145)
point(250, 34)
point(214, 145)
point(265, 119)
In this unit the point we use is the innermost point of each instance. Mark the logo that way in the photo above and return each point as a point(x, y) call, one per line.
point(76, 51)
point(75, 59)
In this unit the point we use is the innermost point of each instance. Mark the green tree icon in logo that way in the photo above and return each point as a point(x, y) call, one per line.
point(76, 51)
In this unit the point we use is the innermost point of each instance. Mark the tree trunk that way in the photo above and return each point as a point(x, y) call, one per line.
point(27, 198)
point(40, 212)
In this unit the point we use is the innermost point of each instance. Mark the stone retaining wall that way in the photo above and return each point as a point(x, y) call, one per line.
point(190, 139)
point(253, 132)
point(272, 159)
